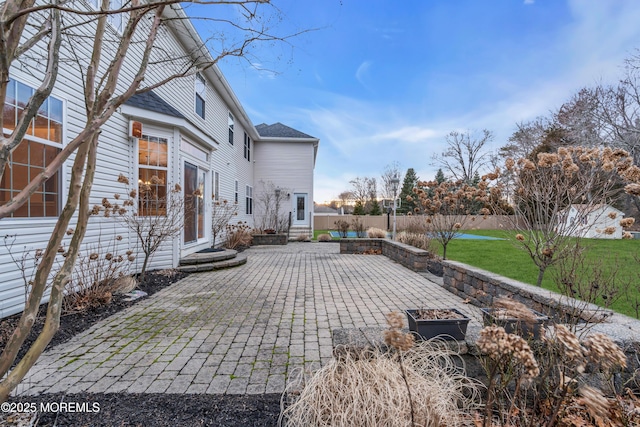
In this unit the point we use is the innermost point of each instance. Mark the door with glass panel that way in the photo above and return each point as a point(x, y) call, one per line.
point(194, 209)
point(300, 216)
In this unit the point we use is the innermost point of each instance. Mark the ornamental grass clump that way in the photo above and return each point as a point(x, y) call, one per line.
point(376, 233)
point(408, 385)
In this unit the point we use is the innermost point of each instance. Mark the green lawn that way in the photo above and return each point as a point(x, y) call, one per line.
point(502, 257)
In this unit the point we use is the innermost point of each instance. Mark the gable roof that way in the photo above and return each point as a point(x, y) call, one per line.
point(278, 130)
point(152, 102)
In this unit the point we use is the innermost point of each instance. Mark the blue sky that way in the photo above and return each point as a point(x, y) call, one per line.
point(384, 81)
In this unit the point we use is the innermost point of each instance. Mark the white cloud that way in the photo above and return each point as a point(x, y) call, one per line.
point(362, 71)
point(410, 134)
point(529, 1)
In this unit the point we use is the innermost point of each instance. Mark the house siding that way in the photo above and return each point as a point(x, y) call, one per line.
point(284, 164)
point(117, 155)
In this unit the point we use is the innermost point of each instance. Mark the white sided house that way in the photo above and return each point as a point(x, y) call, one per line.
point(192, 131)
point(601, 221)
point(283, 155)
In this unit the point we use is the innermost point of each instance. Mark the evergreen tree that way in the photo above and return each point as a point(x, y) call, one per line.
point(440, 178)
point(410, 182)
point(375, 208)
point(358, 209)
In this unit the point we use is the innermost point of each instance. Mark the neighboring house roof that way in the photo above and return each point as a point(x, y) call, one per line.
point(594, 208)
point(152, 102)
point(278, 130)
point(325, 209)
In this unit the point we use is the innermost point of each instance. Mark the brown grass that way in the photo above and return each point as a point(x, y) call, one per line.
point(368, 389)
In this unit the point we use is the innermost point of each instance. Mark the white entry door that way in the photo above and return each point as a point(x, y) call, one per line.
point(300, 214)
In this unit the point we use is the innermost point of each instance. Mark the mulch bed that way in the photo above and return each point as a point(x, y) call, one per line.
point(160, 410)
point(122, 409)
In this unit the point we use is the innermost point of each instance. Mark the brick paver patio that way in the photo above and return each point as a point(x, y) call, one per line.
point(237, 331)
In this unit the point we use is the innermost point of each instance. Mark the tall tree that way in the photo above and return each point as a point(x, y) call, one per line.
point(466, 153)
point(440, 178)
point(407, 195)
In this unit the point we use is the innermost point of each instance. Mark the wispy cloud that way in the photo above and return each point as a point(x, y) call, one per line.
point(362, 72)
point(529, 1)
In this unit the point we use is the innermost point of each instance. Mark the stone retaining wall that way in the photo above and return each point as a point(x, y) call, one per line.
point(269, 239)
point(409, 256)
point(480, 287)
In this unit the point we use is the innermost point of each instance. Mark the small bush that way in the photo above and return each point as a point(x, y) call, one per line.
point(420, 241)
point(358, 227)
point(302, 238)
point(376, 233)
point(343, 227)
point(238, 236)
point(324, 238)
point(95, 276)
point(416, 224)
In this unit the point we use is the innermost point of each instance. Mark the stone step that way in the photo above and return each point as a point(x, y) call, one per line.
point(208, 257)
point(238, 260)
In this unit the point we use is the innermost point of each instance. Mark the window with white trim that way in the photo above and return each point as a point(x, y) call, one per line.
point(231, 124)
point(216, 186)
point(40, 146)
point(249, 200)
point(236, 192)
point(153, 167)
point(117, 20)
point(247, 147)
point(201, 94)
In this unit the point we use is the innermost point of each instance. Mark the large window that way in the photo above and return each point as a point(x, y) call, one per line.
point(153, 153)
point(247, 147)
point(231, 124)
point(249, 200)
point(40, 146)
point(201, 94)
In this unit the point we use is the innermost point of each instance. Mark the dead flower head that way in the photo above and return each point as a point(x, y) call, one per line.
point(602, 351)
point(593, 399)
point(123, 179)
point(520, 237)
point(627, 222)
point(394, 337)
point(502, 347)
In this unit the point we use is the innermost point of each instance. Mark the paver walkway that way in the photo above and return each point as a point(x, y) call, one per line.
point(237, 331)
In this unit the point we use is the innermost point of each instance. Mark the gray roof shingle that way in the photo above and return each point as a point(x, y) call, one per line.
point(278, 130)
point(152, 102)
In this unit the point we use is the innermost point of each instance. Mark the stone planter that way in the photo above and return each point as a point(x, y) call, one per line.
point(448, 329)
point(269, 239)
point(513, 325)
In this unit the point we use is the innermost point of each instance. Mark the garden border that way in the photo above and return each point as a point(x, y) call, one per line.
point(480, 287)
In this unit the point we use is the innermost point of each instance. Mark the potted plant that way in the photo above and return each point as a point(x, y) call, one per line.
point(427, 323)
point(515, 318)
point(529, 327)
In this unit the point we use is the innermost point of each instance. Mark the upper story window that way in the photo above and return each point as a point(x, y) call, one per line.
point(40, 146)
point(201, 94)
point(153, 155)
point(231, 128)
point(117, 20)
point(247, 147)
